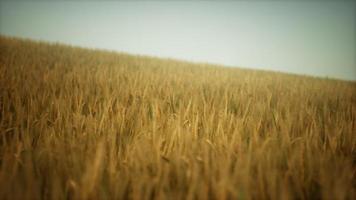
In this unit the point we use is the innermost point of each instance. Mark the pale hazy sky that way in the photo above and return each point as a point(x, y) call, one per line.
point(316, 38)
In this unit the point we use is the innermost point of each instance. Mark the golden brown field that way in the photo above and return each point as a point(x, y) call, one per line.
point(87, 124)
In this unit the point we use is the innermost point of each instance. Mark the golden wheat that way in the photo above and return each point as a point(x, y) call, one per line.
point(88, 124)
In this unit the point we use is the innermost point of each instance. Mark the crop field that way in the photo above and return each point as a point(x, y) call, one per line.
point(81, 123)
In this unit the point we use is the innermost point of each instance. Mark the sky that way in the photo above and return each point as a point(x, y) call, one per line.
point(316, 38)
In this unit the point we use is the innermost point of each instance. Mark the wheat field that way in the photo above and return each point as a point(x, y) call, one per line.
point(80, 123)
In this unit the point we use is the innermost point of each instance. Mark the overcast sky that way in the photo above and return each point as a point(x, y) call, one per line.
point(316, 38)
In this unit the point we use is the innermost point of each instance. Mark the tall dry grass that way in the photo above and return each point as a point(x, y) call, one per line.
point(85, 124)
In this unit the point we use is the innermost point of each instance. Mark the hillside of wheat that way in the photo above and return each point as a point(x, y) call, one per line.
point(77, 123)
